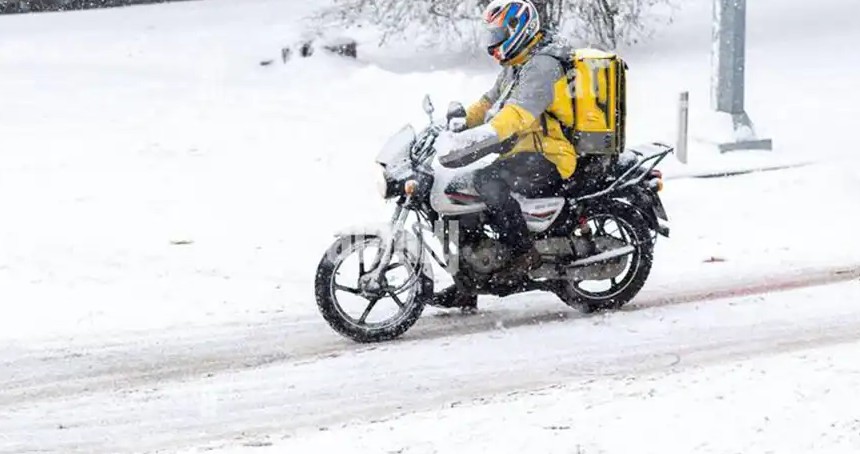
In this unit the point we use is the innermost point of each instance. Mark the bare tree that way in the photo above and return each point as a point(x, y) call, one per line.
point(603, 23)
point(611, 23)
point(395, 17)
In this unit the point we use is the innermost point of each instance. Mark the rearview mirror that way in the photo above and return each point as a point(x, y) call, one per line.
point(428, 106)
point(456, 110)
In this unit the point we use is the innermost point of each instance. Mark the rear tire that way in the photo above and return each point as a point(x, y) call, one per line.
point(637, 226)
point(357, 330)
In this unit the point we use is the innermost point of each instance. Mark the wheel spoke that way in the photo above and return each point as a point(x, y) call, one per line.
point(601, 227)
point(367, 310)
point(393, 266)
point(344, 288)
point(361, 262)
point(396, 299)
point(623, 233)
point(617, 229)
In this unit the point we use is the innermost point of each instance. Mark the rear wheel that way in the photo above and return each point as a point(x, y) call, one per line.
point(611, 284)
point(364, 311)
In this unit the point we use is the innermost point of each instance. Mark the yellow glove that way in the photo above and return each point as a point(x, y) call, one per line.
point(476, 112)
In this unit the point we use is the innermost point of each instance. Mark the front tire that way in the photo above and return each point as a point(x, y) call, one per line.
point(409, 299)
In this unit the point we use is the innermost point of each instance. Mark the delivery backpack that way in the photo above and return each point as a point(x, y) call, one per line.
point(597, 85)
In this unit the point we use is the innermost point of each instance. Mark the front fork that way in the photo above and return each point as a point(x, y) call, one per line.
point(373, 280)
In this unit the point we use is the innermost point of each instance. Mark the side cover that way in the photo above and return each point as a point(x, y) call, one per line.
point(454, 194)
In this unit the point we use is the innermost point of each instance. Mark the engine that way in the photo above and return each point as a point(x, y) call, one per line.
point(487, 255)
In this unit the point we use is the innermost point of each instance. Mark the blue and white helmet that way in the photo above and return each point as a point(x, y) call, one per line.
point(511, 27)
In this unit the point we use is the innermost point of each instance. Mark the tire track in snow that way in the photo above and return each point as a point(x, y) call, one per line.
point(249, 405)
point(182, 355)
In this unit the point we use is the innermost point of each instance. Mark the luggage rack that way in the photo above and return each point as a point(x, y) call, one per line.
point(625, 179)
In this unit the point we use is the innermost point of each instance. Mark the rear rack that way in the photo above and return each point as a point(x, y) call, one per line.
point(624, 182)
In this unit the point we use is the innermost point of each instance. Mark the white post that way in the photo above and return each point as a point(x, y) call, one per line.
point(683, 127)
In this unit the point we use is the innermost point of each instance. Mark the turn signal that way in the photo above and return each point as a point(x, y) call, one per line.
point(660, 185)
point(409, 187)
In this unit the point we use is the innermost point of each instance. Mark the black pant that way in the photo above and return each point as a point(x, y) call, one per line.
point(527, 174)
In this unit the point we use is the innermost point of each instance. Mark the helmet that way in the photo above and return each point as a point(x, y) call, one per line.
point(511, 28)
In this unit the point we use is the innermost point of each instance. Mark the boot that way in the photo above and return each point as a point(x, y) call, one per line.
point(452, 298)
point(526, 261)
point(518, 266)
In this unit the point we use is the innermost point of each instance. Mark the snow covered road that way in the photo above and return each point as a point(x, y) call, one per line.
point(175, 389)
point(798, 399)
point(138, 358)
point(165, 200)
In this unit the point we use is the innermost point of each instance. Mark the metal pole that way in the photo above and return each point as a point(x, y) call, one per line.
point(729, 70)
point(729, 58)
point(683, 127)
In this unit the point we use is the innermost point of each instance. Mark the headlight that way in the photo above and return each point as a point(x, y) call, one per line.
point(392, 183)
point(386, 186)
point(409, 187)
point(382, 183)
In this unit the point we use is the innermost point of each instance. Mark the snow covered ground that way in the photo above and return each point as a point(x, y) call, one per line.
point(706, 375)
point(735, 406)
point(728, 397)
point(165, 201)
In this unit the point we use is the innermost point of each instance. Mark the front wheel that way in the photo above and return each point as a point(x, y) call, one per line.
point(611, 284)
point(366, 311)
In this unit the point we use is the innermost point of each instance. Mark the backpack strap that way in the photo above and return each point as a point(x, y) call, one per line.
point(567, 68)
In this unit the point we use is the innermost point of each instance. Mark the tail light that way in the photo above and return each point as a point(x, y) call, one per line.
point(655, 184)
point(656, 180)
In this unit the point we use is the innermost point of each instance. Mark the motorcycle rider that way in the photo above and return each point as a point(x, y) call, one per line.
point(523, 119)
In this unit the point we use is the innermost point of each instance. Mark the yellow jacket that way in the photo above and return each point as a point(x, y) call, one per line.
point(526, 103)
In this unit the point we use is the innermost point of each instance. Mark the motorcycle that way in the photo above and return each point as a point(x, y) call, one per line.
point(596, 237)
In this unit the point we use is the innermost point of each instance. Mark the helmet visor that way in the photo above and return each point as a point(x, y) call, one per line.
point(495, 35)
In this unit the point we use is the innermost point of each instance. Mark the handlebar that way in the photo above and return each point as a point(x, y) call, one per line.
point(422, 149)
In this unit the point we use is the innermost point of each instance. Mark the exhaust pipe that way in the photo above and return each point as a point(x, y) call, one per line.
point(603, 256)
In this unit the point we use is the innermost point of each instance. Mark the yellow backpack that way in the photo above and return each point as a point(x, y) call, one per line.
point(597, 85)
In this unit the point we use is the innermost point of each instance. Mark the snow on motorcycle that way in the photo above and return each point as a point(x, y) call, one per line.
point(596, 237)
